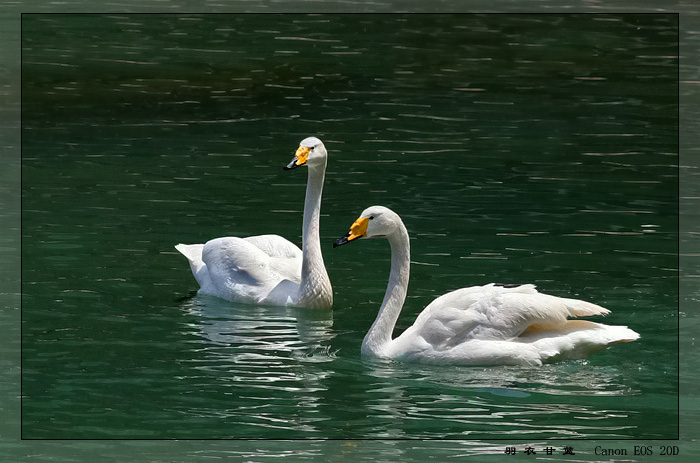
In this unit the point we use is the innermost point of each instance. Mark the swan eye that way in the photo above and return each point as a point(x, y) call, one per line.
point(371, 217)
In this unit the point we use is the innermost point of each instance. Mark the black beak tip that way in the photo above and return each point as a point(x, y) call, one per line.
point(341, 241)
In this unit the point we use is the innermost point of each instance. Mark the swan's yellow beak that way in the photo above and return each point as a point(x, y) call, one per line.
point(357, 230)
point(300, 157)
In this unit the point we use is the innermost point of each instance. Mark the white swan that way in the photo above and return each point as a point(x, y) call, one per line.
point(478, 325)
point(268, 269)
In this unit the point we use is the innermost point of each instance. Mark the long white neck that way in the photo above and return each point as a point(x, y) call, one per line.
point(315, 287)
point(378, 338)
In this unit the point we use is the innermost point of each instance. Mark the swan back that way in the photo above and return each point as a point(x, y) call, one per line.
point(495, 312)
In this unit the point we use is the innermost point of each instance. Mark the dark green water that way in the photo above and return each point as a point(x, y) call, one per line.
point(517, 148)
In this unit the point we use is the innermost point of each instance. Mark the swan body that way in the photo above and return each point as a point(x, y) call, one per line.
point(268, 269)
point(478, 325)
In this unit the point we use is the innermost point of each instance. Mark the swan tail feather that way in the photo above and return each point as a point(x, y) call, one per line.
point(579, 339)
point(578, 308)
point(193, 252)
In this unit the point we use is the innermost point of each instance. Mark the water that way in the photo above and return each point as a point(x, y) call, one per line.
point(538, 149)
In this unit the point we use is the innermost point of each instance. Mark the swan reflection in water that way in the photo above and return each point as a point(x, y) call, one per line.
point(270, 359)
point(491, 402)
point(571, 378)
point(239, 333)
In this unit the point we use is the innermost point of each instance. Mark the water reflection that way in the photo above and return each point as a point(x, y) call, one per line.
point(453, 402)
point(577, 377)
point(244, 333)
point(267, 362)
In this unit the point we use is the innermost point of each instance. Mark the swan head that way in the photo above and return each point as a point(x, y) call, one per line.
point(311, 152)
point(374, 222)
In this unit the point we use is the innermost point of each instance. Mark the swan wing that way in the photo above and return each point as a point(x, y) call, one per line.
point(260, 269)
point(275, 246)
point(241, 261)
point(493, 312)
